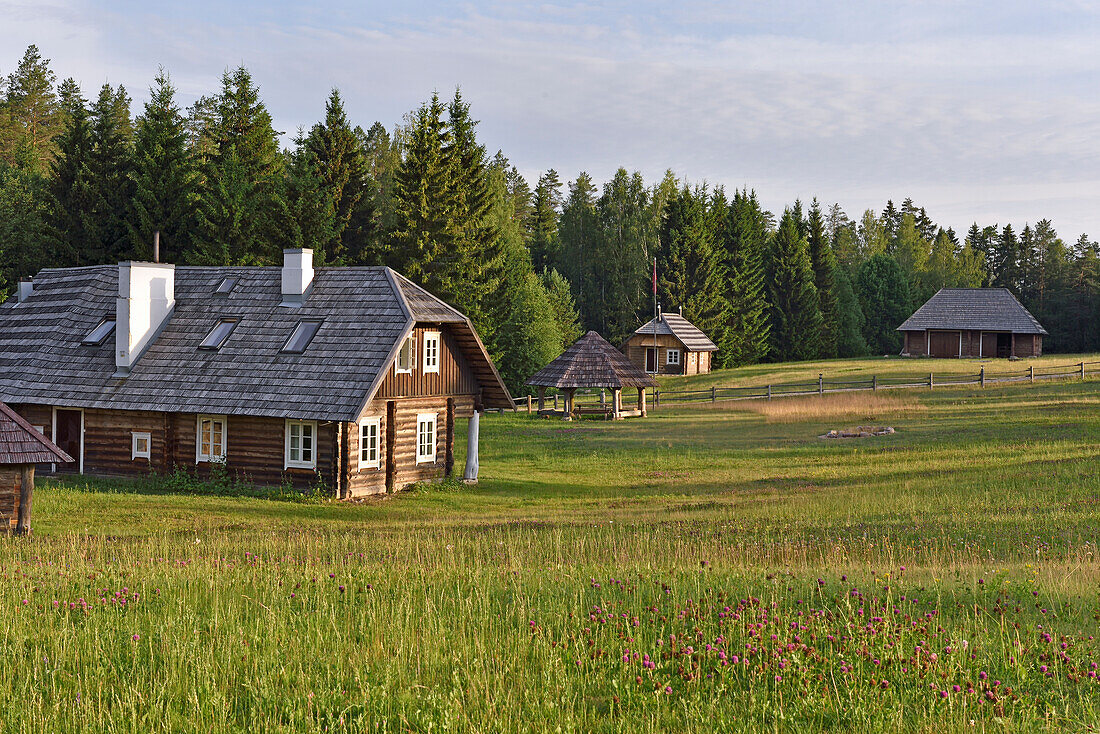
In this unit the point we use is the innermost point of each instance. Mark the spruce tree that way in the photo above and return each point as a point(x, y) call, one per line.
point(824, 263)
point(1005, 260)
point(849, 333)
point(241, 210)
point(164, 177)
point(531, 332)
point(546, 209)
point(342, 166)
point(579, 234)
point(110, 169)
point(883, 292)
point(563, 307)
point(796, 316)
point(310, 205)
point(625, 250)
point(743, 235)
point(70, 189)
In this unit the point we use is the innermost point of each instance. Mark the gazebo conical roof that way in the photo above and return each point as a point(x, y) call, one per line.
point(592, 362)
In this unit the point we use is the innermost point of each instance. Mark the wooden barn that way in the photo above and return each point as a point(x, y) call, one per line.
point(21, 448)
point(591, 362)
point(972, 322)
point(670, 345)
point(352, 377)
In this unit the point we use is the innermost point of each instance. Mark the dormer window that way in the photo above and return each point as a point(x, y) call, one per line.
point(301, 337)
point(217, 336)
point(100, 333)
point(226, 286)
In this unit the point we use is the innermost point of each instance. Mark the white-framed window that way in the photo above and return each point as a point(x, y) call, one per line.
point(406, 356)
point(140, 442)
point(673, 356)
point(211, 438)
point(431, 351)
point(425, 438)
point(368, 443)
point(301, 444)
point(41, 429)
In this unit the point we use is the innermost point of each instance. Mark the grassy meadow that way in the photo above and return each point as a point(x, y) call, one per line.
point(714, 567)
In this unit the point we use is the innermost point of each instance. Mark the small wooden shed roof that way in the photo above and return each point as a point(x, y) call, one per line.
point(975, 309)
point(677, 326)
point(21, 443)
point(592, 362)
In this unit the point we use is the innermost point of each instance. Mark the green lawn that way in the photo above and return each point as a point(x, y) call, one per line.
point(708, 568)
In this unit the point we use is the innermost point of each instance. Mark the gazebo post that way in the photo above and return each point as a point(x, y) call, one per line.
point(641, 401)
point(569, 393)
point(542, 398)
point(617, 404)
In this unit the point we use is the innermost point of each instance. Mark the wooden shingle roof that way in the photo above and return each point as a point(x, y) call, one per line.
point(975, 309)
point(21, 443)
point(365, 313)
point(592, 362)
point(675, 325)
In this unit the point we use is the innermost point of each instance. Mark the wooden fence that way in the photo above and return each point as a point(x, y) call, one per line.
point(823, 385)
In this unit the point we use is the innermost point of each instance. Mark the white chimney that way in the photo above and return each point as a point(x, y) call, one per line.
point(146, 297)
point(26, 288)
point(297, 276)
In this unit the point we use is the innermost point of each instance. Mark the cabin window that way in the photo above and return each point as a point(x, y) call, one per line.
point(431, 351)
point(211, 439)
point(301, 337)
point(41, 429)
point(226, 286)
point(139, 445)
point(217, 336)
point(405, 356)
point(673, 356)
point(100, 333)
point(368, 443)
point(425, 438)
point(301, 444)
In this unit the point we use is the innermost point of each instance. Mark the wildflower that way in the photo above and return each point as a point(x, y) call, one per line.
point(136, 637)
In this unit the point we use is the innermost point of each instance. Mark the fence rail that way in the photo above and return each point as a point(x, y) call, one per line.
point(594, 397)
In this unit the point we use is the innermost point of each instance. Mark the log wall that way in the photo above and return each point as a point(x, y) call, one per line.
point(10, 484)
point(454, 377)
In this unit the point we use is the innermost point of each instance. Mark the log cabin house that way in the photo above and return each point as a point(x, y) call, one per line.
point(21, 447)
point(972, 322)
point(670, 345)
point(353, 377)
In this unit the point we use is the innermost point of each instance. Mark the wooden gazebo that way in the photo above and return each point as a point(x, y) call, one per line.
point(593, 363)
point(21, 447)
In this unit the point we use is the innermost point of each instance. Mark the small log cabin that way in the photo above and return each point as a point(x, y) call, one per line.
point(353, 377)
point(21, 448)
point(670, 345)
point(972, 322)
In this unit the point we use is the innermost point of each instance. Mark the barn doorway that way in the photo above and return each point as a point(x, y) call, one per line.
point(944, 344)
point(68, 434)
point(651, 360)
point(1004, 345)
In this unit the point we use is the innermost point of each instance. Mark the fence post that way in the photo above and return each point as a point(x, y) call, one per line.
point(931, 381)
point(820, 383)
point(1031, 373)
point(713, 395)
point(981, 376)
point(769, 392)
point(874, 382)
point(555, 401)
point(656, 397)
point(1082, 370)
point(529, 406)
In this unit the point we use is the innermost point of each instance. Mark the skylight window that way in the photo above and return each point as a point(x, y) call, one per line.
point(226, 286)
point(100, 333)
point(217, 336)
point(302, 336)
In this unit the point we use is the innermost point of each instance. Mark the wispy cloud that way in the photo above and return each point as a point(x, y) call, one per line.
point(981, 111)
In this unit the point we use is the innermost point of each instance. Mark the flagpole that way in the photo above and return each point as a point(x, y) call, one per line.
point(656, 350)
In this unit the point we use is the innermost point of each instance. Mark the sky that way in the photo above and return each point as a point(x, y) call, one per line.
point(979, 111)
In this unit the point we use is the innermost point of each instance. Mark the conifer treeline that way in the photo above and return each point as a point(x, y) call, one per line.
point(83, 183)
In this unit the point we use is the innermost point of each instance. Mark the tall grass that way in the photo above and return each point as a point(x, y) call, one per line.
point(833, 406)
point(603, 577)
